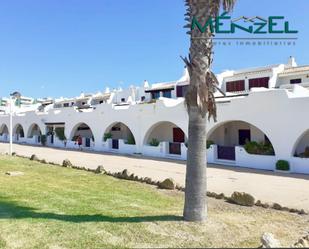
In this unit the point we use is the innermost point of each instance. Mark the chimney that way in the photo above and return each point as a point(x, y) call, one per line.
point(292, 62)
point(146, 84)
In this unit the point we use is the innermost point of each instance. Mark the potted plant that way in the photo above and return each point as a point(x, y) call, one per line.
point(154, 142)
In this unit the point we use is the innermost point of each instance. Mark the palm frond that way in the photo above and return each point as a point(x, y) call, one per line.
point(228, 5)
point(203, 82)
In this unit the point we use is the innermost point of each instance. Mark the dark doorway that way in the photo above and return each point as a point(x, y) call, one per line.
point(178, 135)
point(115, 144)
point(88, 142)
point(244, 136)
point(175, 148)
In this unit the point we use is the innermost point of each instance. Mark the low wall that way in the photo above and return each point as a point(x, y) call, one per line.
point(212, 153)
point(156, 151)
point(126, 148)
point(299, 165)
point(244, 159)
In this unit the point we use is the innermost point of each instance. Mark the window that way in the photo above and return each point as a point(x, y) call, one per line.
point(101, 102)
point(259, 82)
point(155, 95)
point(66, 105)
point(235, 86)
point(143, 98)
point(181, 91)
point(295, 81)
point(123, 100)
point(167, 94)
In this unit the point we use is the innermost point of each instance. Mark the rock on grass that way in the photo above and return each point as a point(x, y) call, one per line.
point(67, 163)
point(100, 170)
point(168, 183)
point(34, 158)
point(268, 241)
point(242, 199)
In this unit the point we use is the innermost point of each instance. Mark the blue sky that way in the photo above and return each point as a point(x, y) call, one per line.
point(62, 48)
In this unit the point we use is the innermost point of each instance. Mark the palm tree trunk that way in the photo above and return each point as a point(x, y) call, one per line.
point(200, 101)
point(195, 193)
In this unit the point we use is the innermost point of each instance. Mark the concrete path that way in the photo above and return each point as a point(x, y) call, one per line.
point(290, 190)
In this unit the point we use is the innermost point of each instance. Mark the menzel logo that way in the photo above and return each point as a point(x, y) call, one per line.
point(257, 25)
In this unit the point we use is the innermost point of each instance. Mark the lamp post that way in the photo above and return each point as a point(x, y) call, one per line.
point(14, 95)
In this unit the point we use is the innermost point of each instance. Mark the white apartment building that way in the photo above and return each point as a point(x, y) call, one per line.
point(262, 118)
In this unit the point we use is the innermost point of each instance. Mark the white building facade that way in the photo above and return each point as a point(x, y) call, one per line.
point(267, 106)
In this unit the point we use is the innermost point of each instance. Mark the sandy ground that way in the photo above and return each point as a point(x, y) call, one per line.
point(291, 190)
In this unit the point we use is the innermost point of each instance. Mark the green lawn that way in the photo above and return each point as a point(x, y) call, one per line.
point(55, 207)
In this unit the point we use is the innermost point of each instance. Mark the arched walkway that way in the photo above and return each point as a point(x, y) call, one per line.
point(4, 133)
point(301, 147)
point(167, 133)
point(228, 135)
point(18, 132)
point(34, 133)
point(119, 131)
point(84, 131)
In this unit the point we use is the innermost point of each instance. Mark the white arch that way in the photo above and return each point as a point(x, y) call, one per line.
point(297, 142)
point(220, 124)
point(156, 125)
point(4, 128)
point(16, 127)
point(74, 130)
point(31, 130)
point(108, 129)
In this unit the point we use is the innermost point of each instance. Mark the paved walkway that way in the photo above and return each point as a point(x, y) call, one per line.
point(290, 190)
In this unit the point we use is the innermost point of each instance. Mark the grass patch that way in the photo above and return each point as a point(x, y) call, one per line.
point(55, 207)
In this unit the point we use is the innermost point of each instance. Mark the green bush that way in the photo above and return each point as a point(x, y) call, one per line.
point(43, 139)
point(262, 148)
point(107, 136)
point(131, 140)
point(154, 142)
point(60, 133)
point(283, 165)
point(209, 143)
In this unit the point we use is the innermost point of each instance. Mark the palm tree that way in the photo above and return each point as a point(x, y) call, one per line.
point(200, 101)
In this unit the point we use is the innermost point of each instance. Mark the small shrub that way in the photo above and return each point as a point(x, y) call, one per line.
point(107, 136)
point(154, 142)
point(262, 148)
point(43, 140)
point(209, 143)
point(283, 165)
point(60, 133)
point(74, 138)
point(131, 140)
